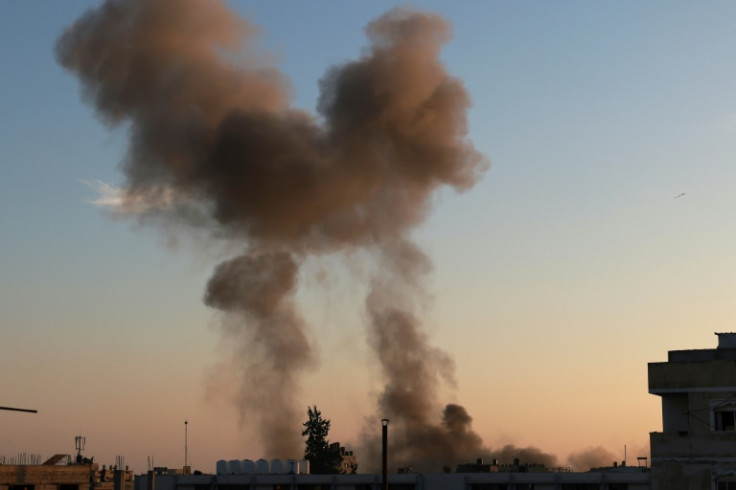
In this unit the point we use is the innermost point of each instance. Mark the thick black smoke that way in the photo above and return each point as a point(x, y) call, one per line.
point(214, 144)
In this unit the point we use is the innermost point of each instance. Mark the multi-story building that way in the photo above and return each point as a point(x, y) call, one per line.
point(697, 446)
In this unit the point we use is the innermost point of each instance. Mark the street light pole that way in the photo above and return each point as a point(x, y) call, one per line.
point(384, 441)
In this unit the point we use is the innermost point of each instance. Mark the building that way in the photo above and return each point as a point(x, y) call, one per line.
point(58, 473)
point(614, 479)
point(348, 462)
point(697, 446)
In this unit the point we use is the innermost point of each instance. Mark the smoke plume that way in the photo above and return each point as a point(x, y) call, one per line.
point(257, 290)
point(214, 144)
point(593, 457)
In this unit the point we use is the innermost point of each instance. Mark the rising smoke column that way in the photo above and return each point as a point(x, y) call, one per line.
point(257, 291)
point(214, 144)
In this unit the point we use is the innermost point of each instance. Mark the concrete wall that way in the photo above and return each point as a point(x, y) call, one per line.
point(675, 476)
point(675, 413)
point(46, 474)
point(716, 448)
point(689, 376)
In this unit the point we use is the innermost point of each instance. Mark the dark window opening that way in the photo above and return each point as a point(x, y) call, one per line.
point(725, 420)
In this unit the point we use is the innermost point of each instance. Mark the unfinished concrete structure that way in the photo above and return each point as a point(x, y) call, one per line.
point(57, 474)
point(697, 446)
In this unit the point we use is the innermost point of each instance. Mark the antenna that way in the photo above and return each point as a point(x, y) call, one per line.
point(186, 423)
point(79, 443)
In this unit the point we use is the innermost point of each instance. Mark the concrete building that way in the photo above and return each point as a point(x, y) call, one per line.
point(348, 461)
point(633, 479)
point(57, 473)
point(697, 446)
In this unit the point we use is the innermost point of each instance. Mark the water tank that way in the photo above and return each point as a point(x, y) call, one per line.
point(249, 467)
point(234, 467)
point(291, 467)
point(277, 467)
point(262, 467)
point(221, 467)
point(303, 467)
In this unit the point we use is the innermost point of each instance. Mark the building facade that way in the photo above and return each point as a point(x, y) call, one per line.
point(621, 479)
point(58, 474)
point(697, 446)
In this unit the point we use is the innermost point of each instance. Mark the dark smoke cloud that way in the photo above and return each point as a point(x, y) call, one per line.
point(526, 455)
point(214, 144)
point(269, 354)
point(593, 457)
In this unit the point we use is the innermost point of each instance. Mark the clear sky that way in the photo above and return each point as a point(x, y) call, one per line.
point(556, 278)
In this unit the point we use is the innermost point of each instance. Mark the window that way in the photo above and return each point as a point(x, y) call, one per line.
point(725, 417)
point(727, 485)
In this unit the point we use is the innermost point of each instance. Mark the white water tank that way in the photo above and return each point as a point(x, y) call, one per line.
point(291, 467)
point(249, 467)
point(262, 467)
point(234, 467)
point(303, 467)
point(221, 467)
point(277, 467)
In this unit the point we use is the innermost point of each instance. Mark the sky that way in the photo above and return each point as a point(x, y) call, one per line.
point(601, 237)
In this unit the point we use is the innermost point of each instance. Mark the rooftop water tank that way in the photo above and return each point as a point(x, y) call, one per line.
point(262, 467)
point(249, 467)
point(234, 467)
point(221, 467)
point(277, 467)
point(291, 467)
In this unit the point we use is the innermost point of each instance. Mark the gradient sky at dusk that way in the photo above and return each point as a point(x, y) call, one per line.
point(556, 279)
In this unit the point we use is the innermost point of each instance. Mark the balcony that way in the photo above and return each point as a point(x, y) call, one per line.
point(672, 377)
point(716, 445)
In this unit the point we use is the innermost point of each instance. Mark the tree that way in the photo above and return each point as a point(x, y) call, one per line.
point(323, 458)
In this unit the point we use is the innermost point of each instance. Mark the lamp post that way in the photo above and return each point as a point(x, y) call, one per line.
point(384, 461)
